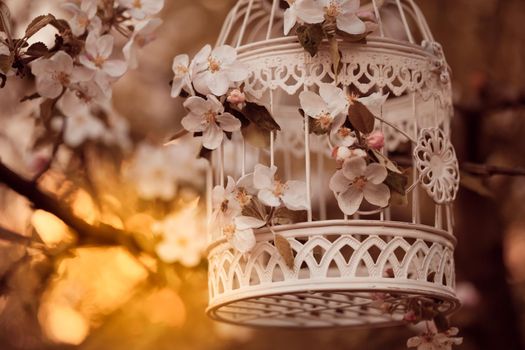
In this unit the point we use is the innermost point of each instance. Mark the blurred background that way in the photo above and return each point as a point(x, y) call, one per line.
point(101, 298)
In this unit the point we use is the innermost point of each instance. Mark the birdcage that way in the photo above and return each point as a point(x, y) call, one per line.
point(346, 269)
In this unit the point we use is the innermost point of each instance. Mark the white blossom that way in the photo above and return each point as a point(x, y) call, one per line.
point(343, 12)
point(90, 92)
point(214, 71)
point(56, 73)
point(144, 34)
point(308, 11)
point(356, 181)
point(240, 232)
point(96, 56)
point(326, 106)
point(84, 16)
point(182, 237)
point(228, 201)
point(140, 9)
point(157, 171)
point(272, 192)
point(182, 79)
point(208, 116)
point(80, 124)
point(435, 341)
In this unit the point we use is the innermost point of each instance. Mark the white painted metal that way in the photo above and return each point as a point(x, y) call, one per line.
point(340, 265)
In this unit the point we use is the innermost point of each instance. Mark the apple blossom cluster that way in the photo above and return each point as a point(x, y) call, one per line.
point(212, 84)
point(252, 202)
point(433, 340)
point(349, 123)
point(76, 74)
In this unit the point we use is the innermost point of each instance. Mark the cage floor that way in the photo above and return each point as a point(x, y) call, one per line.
point(318, 310)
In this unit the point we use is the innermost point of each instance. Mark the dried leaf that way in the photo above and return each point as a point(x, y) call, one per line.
point(37, 24)
point(315, 128)
point(284, 216)
point(6, 62)
point(386, 162)
point(37, 49)
point(30, 97)
point(361, 118)
point(61, 25)
point(256, 136)
point(475, 184)
point(310, 37)
point(285, 249)
point(46, 112)
point(5, 20)
point(260, 116)
point(336, 56)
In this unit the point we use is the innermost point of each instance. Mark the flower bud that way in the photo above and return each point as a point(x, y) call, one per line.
point(376, 140)
point(236, 97)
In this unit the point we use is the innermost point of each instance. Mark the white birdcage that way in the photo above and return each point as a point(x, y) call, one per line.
point(342, 265)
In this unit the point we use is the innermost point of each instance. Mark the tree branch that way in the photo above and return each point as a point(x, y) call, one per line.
point(87, 234)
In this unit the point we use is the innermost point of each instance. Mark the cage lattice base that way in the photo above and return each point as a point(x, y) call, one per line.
point(341, 267)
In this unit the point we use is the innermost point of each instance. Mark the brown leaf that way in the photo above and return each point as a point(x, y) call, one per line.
point(37, 49)
point(310, 37)
point(336, 56)
point(61, 25)
point(397, 182)
point(441, 322)
point(260, 116)
point(37, 24)
point(387, 163)
point(284, 216)
point(46, 112)
point(361, 118)
point(6, 62)
point(256, 136)
point(5, 20)
point(285, 249)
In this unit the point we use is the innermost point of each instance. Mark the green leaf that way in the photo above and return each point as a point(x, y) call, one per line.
point(256, 136)
point(37, 49)
point(260, 116)
point(397, 182)
point(6, 62)
point(285, 249)
point(310, 37)
point(361, 118)
point(37, 24)
point(387, 163)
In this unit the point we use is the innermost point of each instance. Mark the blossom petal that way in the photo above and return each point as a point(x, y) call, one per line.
point(228, 122)
point(350, 200)
point(237, 72)
point(290, 19)
point(312, 104)
point(377, 194)
point(310, 11)
point(115, 68)
point(294, 196)
point(196, 105)
point(212, 137)
point(203, 55)
point(334, 97)
point(247, 222)
point(193, 122)
point(351, 24)
point(49, 88)
point(267, 197)
point(105, 45)
point(354, 167)
point(339, 182)
point(243, 240)
point(201, 82)
point(225, 54)
point(350, 6)
point(180, 61)
point(63, 61)
point(376, 173)
point(414, 342)
point(218, 83)
point(263, 176)
point(80, 74)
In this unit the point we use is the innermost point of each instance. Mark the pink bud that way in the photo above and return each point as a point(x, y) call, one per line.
point(410, 316)
point(376, 140)
point(236, 97)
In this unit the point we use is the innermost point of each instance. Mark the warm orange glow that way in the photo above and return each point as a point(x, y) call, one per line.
point(63, 324)
point(51, 229)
